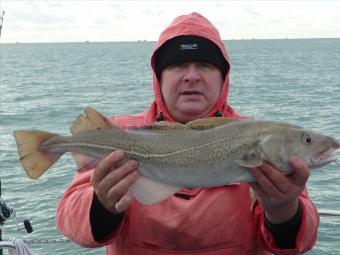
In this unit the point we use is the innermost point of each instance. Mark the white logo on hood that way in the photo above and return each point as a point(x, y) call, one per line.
point(191, 46)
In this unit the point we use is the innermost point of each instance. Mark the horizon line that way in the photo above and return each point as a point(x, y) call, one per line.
point(143, 40)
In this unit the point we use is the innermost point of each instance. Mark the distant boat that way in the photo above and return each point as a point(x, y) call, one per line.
point(1, 20)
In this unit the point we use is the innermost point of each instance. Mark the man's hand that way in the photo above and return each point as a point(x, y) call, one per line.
point(278, 193)
point(111, 181)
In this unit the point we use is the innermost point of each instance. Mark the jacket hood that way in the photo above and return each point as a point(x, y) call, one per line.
point(191, 24)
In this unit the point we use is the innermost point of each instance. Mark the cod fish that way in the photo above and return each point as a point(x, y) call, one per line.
point(208, 152)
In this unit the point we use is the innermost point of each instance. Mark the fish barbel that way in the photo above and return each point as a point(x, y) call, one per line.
point(203, 153)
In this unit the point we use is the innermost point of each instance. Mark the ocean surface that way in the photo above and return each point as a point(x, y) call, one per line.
point(46, 86)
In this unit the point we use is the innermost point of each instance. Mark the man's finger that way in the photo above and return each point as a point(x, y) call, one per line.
point(257, 189)
point(105, 165)
point(124, 202)
point(264, 182)
point(277, 177)
point(116, 175)
point(118, 190)
point(301, 171)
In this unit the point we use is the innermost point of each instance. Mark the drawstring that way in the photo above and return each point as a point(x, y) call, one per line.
point(160, 117)
point(218, 114)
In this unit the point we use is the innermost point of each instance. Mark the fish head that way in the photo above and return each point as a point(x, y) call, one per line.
point(320, 149)
point(314, 148)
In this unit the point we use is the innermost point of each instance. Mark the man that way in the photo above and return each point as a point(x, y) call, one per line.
point(191, 81)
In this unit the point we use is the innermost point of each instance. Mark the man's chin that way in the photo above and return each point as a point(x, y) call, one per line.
point(194, 113)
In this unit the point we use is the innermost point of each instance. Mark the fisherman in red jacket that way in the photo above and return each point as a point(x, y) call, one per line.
point(191, 81)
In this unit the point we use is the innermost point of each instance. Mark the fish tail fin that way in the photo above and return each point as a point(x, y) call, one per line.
point(34, 160)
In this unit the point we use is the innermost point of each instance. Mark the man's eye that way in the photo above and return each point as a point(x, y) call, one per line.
point(175, 67)
point(203, 64)
point(179, 65)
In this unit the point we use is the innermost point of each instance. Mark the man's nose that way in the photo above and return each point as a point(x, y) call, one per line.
point(191, 74)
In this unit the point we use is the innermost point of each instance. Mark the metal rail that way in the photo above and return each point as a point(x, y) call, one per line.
point(7, 245)
point(331, 213)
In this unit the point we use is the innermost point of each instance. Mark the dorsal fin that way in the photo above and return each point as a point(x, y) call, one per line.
point(200, 124)
point(164, 126)
point(90, 120)
point(208, 123)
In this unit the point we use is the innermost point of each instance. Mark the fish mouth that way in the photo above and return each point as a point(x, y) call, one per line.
point(324, 158)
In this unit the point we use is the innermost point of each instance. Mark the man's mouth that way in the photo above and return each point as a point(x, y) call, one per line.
point(190, 92)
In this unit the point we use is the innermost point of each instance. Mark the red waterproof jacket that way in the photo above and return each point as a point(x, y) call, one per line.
point(214, 221)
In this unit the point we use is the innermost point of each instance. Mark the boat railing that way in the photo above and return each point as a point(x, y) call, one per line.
point(6, 212)
point(329, 213)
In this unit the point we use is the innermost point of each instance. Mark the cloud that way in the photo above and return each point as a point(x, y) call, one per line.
point(253, 13)
point(100, 21)
point(153, 12)
point(42, 19)
point(144, 20)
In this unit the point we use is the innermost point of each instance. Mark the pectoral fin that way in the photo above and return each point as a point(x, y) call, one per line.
point(253, 158)
point(149, 192)
point(249, 163)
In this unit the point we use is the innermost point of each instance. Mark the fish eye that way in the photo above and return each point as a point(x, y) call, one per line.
point(306, 138)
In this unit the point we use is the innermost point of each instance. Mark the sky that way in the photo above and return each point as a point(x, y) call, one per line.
point(98, 20)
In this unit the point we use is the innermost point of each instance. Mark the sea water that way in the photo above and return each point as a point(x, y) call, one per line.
point(46, 86)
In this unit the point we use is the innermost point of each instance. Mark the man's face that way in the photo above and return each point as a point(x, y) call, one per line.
point(190, 90)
